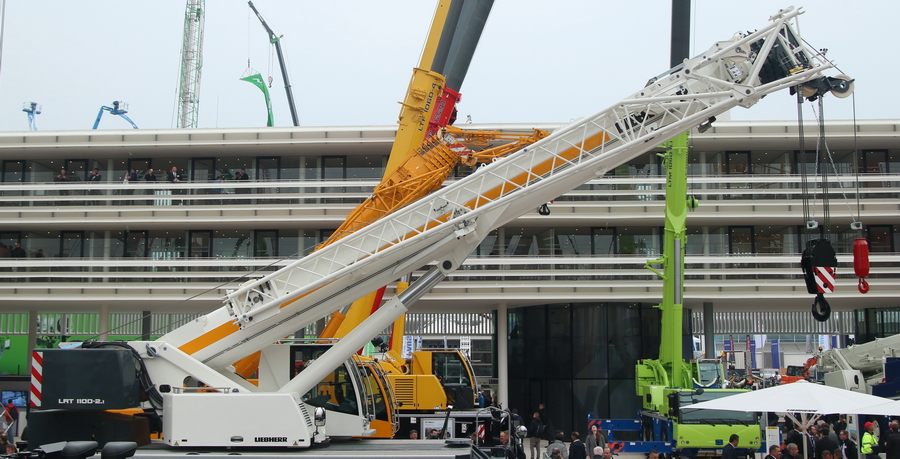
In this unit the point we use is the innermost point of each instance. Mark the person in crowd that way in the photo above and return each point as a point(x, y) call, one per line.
point(595, 439)
point(792, 451)
point(62, 178)
point(774, 452)
point(607, 453)
point(558, 443)
point(892, 442)
point(576, 448)
point(173, 175)
point(11, 412)
point(18, 251)
point(840, 425)
point(95, 178)
point(149, 176)
point(545, 420)
point(653, 454)
point(825, 443)
point(797, 437)
point(4, 251)
point(535, 433)
point(730, 450)
point(869, 443)
point(812, 434)
point(414, 434)
point(517, 420)
point(847, 446)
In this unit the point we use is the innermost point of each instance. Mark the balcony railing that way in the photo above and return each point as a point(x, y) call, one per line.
point(196, 285)
point(294, 192)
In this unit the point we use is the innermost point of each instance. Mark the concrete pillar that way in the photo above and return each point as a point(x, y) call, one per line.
point(709, 337)
point(104, 322)
point(502, 356)
point(146, 325)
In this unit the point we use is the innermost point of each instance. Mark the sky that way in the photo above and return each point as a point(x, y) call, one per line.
point(350, 61)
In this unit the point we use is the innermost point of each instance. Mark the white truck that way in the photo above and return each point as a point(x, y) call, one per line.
point(187, 376)
point(865, 367)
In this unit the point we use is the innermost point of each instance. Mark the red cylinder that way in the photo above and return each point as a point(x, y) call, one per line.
point(861, 257)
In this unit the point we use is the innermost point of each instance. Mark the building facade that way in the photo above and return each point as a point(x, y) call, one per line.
point(139, 257)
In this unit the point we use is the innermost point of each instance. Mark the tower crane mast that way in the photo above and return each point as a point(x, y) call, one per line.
point(191, 63)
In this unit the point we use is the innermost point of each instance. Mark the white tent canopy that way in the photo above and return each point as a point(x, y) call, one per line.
point(885, 408)
point(798, 397)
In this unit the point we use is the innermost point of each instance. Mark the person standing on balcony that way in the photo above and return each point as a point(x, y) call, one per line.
point(173, 175)
point(149, 177)
point(18, 251)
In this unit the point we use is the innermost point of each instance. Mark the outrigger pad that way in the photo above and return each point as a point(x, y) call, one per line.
point(79, 449)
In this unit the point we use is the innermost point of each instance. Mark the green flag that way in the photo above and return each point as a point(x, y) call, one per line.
point(257, 80)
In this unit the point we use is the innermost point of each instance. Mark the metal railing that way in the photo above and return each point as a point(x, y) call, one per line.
point(294, 192)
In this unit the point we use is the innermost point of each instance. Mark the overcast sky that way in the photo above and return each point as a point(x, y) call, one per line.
point(350, 60)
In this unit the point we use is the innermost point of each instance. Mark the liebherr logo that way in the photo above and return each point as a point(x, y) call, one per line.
point(270, 439)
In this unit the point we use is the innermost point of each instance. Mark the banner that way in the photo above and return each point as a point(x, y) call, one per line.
point(776, 359)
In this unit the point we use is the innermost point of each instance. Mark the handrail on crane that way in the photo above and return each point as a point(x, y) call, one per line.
point(118, 108)
point(284, 74)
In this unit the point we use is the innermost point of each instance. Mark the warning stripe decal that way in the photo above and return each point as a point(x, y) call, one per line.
point(37, 377)
point(824, 278)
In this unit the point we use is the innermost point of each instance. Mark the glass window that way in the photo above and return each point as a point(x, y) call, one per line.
point(572, 242)
point(530, 242)
point(776, 239)
point(640, 241)
point(200, 243)
point(740, 240)
point(203, 169)
point(880, 238)
point(706, 240)
point(13, 172)
point(693, 416)
point(603, 241)
point(364, 167)
point(374, 393)
point(267, 169)
point(449, 368)
point(167, 244)
point(43, 170)
point(488, 246)
point(265, 243)
point(773, 162)
point(227, 244)
point(589, 338)
point(737, 162)
point(874, 162)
